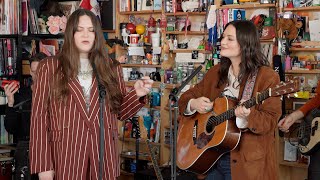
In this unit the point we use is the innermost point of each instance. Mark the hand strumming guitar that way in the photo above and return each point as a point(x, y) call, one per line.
point(201, 104)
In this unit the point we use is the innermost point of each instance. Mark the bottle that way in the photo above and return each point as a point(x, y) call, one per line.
point(175, 43)
point(215, 59)
point(209, 64)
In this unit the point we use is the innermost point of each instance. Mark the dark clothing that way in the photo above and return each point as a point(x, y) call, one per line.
point(314, 166)
point(221, 170)
point(22, 170)
point(17, 120)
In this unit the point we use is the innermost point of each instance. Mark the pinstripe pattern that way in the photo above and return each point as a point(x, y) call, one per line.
point(65, 137)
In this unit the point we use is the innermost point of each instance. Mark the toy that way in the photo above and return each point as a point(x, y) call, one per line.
point(289, 27)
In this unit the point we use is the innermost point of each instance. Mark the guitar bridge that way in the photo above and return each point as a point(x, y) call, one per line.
point(194, 132)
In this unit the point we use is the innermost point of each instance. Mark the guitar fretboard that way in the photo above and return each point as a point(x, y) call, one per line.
point(216, 120)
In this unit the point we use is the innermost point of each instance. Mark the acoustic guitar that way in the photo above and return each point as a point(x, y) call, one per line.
point(214, 134)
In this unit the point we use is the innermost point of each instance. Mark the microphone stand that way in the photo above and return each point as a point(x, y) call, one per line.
point(173, 100)
point(102, 95)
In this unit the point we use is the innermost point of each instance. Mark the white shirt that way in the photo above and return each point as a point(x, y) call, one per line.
point(231, 90)
point(85, 79)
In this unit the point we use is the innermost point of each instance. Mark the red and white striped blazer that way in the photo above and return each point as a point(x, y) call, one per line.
point(64, 137)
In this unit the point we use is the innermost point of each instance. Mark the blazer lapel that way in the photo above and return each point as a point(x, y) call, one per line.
point(94, 102)
point(77, 93)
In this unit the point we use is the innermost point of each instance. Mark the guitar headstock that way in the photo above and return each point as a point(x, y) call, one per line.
point(287, 87)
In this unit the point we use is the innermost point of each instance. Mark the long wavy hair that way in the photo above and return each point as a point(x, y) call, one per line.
point(69, 62)
point(252, 57)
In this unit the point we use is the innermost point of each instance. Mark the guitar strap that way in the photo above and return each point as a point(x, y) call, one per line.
point(247, 92)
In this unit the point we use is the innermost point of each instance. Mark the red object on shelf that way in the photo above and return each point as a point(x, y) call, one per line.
point(131, 28)
point(151, 28)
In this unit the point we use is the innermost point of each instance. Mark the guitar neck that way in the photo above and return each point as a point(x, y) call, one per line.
point(231, 112)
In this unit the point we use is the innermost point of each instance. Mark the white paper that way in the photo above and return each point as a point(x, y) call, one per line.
point(139, 51)
point(156, 50)
point(211, 20)
point(314, 30)
point(290, 151)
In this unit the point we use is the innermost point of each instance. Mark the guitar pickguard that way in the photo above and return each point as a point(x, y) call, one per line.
point(204, 139)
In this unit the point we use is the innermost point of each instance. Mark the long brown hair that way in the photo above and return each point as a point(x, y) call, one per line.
point(69, 61)
point(252, 57)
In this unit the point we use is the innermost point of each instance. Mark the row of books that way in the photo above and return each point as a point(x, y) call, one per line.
point(8, 56)
point(5, 137)
point(227, 15)
point(9, 19)
point(140, 5)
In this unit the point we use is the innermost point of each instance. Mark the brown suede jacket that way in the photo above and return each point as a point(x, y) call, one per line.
point(255, 156)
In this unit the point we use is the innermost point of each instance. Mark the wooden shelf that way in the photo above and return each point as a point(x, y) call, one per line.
point(141, 65)
point(9, 35)
point(304, 49)
point(267, 40)
point(155, 84)
point(8, 146)
point(141, 157)
point(167, 145)
point(126, 173)
point(186, 14)
point(247, 6)
point(152, 107)
point(109, 31)
point(134, 140)
point(310, 8)
point(293, 164)
point(190, 50)
point(141, 12)
point(167, 109)
point(292, 95)
point(186, 32)
point(315, 71)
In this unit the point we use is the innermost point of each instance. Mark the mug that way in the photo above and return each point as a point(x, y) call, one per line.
point(126, 165)
point(134, 39)
point(155, 76)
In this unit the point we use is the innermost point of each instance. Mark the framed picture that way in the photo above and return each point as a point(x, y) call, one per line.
point(147, 5)
point(297, 105)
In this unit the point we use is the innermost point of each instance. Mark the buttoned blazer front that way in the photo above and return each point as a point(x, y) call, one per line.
point(255, 156)
point(65, 136)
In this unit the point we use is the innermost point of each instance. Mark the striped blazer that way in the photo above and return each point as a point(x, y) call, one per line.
point(64, 137)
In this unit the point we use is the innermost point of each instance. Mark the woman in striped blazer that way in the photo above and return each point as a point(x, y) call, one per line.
point(64, 132)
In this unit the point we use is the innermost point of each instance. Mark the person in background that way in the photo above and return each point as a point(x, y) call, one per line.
point(17, 119)
point(64, 138)
point(285, 123)
point(242, 61)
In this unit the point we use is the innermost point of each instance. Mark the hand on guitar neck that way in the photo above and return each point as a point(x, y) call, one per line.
point(241, 111)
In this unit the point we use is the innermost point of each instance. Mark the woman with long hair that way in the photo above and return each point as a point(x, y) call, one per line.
point(64, 137)
point(242, 65)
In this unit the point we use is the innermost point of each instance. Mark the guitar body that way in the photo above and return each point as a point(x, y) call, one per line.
point(312, 138)
point(199, 146)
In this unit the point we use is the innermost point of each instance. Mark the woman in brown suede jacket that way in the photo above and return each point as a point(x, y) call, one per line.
point(254, 158)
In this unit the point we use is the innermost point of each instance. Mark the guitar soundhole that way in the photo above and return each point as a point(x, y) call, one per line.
point(211, 124)
point(209, 128)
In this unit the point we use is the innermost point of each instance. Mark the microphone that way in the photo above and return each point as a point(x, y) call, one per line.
point(4, 82)
point(176, 91)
